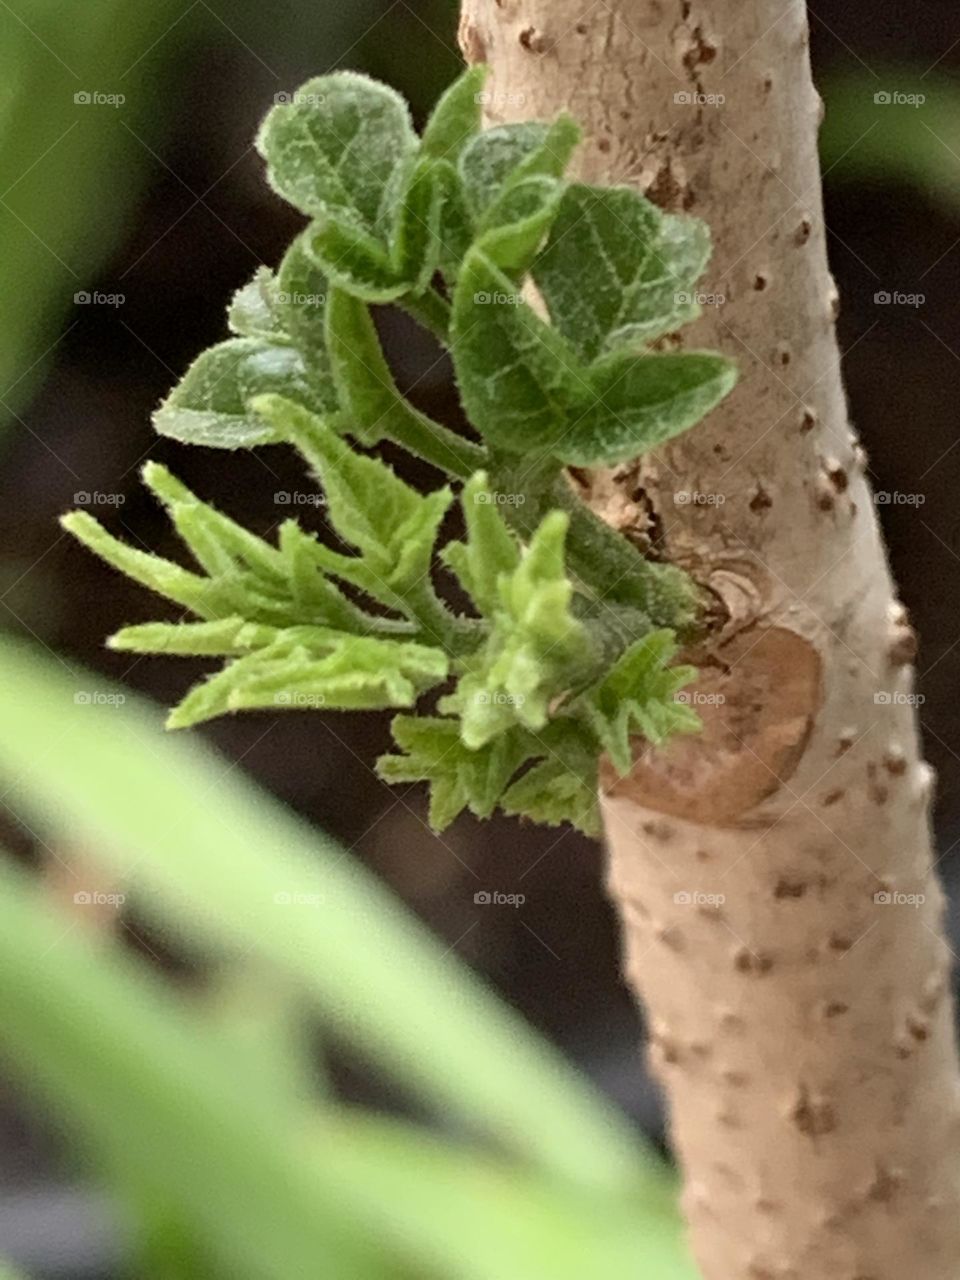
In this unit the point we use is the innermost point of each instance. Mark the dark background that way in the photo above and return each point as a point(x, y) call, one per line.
point(195, 229)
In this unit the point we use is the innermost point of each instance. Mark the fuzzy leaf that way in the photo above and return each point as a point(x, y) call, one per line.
point(333, 151)
point(510, 152)
point(490, 549)
point(456, 228)
point(312, 667)
point(516, 374)
point(526, 390)
point(639, 696)
point(253, 311)
point(514, 226)
point(552, 793)
point(459, 778)
point(373, 407)
point(457, 116)
point(210, 404)
point(301, 302)
point(598, 246)
point(536, 651)
point(229, 637)
point(662, 299)
point(635, 403)
point(392, 525)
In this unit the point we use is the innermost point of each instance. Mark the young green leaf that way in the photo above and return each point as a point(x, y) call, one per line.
point(333, 151)
point(457, 116)
point(210, 404)
point(253, 310)
point(312, 667)
point(562, 787)
point(301, 299)
point(459, 778)
point(392, 525)
point(536, 651)
point(509, 153)
point(640, 695)
point(490, 549)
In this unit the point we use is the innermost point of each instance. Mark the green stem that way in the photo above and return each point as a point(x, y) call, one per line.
point(434, 443)
point(431, 310)
point(457, 634)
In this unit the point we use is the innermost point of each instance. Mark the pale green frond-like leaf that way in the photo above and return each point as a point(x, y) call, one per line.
point(536, 651)
point(459, 778)
point(641, 696)
point(490, 549)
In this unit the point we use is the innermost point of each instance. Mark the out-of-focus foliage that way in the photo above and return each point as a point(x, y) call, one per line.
point(70, 166)
point(894, 124)
point(232, 1160)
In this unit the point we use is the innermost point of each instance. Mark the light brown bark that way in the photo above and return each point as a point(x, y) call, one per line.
point(781, 916)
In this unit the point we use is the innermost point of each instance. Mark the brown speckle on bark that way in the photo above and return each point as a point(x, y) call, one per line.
point(813, 1116)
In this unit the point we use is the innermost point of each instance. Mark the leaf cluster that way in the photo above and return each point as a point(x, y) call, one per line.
point(566, 650)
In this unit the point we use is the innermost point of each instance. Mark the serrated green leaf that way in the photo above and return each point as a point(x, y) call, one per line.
point(228, 637)
point(459, 778)
point(209, 406)
point(552, 794)
point(490, 549)
point(333, 151)
point(639, 696)
point(190, 590)
point(392, 525)
point(311, 667)
point(536, 651)
point(457, 116)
